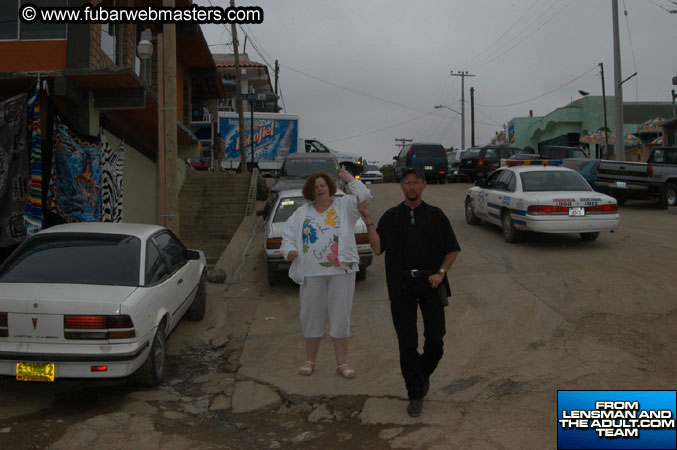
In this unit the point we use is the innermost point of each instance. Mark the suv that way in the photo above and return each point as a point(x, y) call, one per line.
point(430, 157)
point(479, 162)
point(296, 167)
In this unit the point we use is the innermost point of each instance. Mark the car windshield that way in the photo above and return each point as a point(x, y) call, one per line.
point(553, 180)
point(306, 167)
point(286, 208)
point(288, 205)
point(372, 167)
point(83, 259)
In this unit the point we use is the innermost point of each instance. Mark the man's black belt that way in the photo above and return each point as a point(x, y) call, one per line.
point(418, 273)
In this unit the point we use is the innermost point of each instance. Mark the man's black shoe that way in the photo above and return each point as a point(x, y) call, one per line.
point(415, 407)
point(426, 385)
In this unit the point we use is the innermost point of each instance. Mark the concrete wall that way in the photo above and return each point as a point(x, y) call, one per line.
point(140, 189)
point(140, 179)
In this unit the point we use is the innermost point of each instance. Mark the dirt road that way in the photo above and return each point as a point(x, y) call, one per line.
point(525, 320)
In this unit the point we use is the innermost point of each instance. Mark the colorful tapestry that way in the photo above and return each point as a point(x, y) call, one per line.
point(75, 182)
point(13, 170)
point(113, 173)
point(33, 212)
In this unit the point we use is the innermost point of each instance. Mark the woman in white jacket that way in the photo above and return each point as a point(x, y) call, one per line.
point(319, 240)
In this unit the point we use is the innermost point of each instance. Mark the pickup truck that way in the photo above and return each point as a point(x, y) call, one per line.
point(656, 178)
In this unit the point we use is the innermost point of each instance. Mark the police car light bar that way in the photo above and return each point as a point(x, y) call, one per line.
point(536, 162)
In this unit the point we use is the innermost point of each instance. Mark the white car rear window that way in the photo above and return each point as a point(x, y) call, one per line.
point(83, 259)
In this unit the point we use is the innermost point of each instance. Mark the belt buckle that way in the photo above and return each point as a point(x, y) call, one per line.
point(414, 273)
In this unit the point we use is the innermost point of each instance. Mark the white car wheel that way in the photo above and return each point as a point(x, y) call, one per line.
point(152, 370)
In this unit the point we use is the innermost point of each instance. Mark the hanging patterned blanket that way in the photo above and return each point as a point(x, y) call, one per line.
point(33, 213)
point(13, 170)
point(75, 182)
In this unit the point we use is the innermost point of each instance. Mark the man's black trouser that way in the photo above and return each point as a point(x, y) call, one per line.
point(416, 368)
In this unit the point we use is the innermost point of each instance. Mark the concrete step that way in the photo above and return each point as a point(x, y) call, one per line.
point(212, 199)
point(196, 227)
point(235, 190)
point(210, 247)
point(216, 217)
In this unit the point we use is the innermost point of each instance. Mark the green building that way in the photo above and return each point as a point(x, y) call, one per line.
point(566, 125)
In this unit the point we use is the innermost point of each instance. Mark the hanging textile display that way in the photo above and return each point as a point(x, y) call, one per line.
point(13, 170)
point(75, 181)
point(113, 173)
point(33, 212)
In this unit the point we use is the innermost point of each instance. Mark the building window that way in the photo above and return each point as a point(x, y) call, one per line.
point(11, 27)
point(109, 40)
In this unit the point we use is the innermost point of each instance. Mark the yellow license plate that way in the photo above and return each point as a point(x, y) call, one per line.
point(35, 371)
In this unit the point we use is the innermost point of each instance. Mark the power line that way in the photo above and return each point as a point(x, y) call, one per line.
point(509, 28)
point(491, 57)
point(279, 86)
point(542, 95)
point(380, 129)
point(355, 91)
point(632, 49)
point(256, 48)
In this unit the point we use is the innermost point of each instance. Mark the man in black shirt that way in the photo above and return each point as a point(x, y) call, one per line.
point(420, 248)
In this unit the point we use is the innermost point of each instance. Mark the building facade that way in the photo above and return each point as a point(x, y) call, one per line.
point(93, 78)
point(566, 125)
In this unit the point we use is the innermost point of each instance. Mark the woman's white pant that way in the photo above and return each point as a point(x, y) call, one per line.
point(322, 295)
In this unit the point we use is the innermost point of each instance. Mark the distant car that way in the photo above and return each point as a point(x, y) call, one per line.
point(454, 165)
point(371, 175)
point(429, 157)
point(562, 152)
point(527, 196)
point(286, 203)
point(96, 300)
point(480, 162)
point(296, 167)
point(524, 157)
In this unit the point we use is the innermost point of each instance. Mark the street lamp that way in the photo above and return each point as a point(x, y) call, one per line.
point(460, 114)
point(446, 107)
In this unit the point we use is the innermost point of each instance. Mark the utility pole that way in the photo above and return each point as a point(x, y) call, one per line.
point(402, 142)
point(472, 116)
point(606, 127)
point(238, 80)
point(170, 127)
point(277, 77)
point(619, 148)
point(462, 74)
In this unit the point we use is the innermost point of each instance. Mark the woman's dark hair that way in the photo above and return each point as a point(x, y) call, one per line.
point(309, 186)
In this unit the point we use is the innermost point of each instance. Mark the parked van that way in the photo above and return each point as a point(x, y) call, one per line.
point(430, 157)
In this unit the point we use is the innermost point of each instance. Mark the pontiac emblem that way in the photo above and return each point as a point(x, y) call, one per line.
point(35, 323)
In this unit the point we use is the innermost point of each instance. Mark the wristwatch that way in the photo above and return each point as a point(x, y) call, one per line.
point(442, 271)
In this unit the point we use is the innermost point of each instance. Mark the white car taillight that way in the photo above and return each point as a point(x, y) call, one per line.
point(98, 327)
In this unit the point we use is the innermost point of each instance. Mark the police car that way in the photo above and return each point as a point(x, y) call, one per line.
point(540, 196)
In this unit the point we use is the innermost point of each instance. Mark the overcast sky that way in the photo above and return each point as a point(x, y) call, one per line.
point(360, 74)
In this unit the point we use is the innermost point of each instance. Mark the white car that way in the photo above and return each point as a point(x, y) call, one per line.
point(540, 196)
point(96, 300)
point(370, 175)
point(284, 206)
